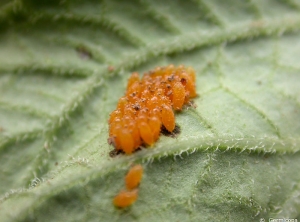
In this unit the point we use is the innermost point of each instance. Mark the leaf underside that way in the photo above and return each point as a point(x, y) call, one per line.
point(63, 67)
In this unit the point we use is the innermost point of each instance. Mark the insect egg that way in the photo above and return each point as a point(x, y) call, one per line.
point(146, 132)
point(126, 141)
point(125, 198)
point(133, 177)
point(178, 96)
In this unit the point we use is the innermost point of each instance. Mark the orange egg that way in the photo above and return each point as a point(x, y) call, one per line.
point(155, 124)
point(188, 83)
point(133, 127)
point(168, 118)
point(178, 96)
point(133, 79)
point(152, 103)
point(146, 132)
point(133, 177)
point(122, 104)
point(115, 114)
point(126, 140)
point(114, 135)
point(134, 90)
point(125, 198)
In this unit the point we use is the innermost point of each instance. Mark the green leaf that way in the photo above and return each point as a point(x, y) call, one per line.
point(63, 66)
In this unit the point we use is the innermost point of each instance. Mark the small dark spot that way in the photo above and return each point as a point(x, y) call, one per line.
point(172, 134)
point(192, 104)
point(1, 129)
point(258, 82)
point(267, 155)
point(115, 152)
point(183, 81)
point(171, 78)
point(168, 86)
point(56, 163)
point(139, 148)
point(136, 106)
point(83, 52)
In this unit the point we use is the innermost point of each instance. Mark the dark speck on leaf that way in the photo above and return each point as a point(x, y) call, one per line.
point(172, 134)
point(83, 52)
point(115, 152)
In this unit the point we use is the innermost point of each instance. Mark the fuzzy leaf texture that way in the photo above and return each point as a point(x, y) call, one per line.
point(65, 64)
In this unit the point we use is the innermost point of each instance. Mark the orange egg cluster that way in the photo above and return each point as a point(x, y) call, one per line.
point(132, 180)
point(148, 104)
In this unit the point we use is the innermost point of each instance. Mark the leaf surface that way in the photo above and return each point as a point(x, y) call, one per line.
point(63, 67)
